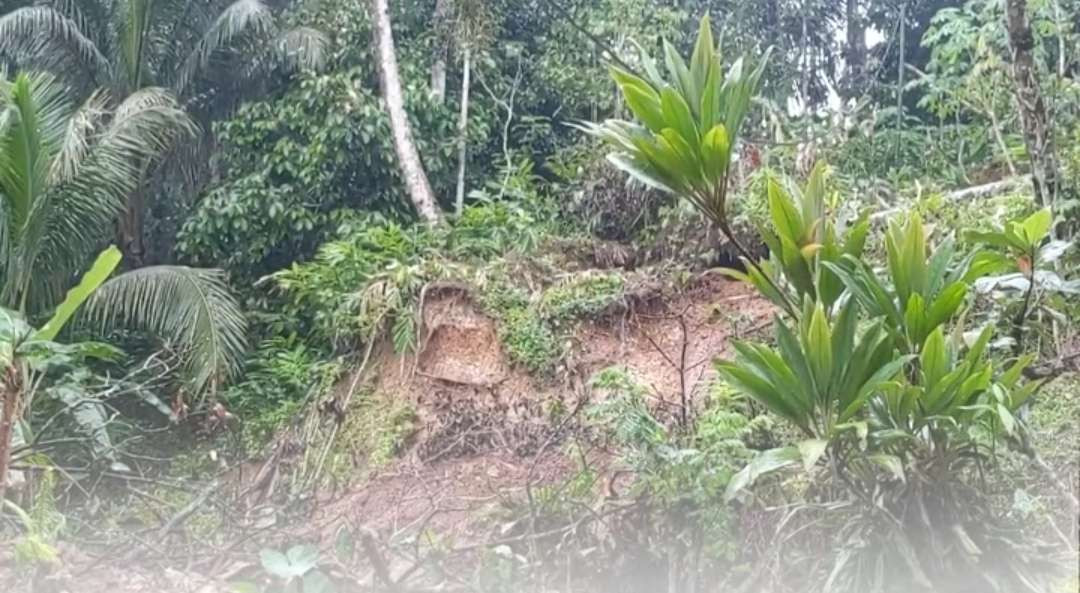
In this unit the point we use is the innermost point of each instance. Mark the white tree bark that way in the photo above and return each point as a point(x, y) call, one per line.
point(463, 127)
point(412, 169)
point(438, 62)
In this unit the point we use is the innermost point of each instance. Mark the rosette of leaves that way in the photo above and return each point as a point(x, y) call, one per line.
point(802, 237)
point(687, 122)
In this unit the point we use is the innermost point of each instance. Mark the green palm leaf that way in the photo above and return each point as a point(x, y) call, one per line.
point(191, 307)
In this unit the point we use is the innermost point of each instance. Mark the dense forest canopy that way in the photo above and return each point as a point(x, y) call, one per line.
point(536, 295)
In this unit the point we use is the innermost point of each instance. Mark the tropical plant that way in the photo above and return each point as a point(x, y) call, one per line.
point(64, 172)
point(209, 54)
point(25, 352)
point(893, 412)
point(801, 239)
point(927, 285)
point(821, 377)
point(298, 165)
point(952, 390)
point(1025, 249)
point(688, 126)
point(128, 45)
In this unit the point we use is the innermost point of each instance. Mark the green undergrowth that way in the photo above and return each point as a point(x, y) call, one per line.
point(1054, 419)
point(533, 327)
point(282, 374)
point(369, 284)
point(375, 429)
point(977, 214)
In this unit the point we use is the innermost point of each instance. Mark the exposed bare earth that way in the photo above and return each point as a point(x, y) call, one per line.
point(490, 435)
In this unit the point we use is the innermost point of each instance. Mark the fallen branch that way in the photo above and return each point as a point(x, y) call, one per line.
point(179, 518)
point(977, 192)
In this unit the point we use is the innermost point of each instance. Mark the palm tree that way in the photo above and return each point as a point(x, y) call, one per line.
point(210, 53)
point(65, 171)
point(191, 47)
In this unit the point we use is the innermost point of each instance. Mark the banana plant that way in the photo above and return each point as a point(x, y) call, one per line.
point(25, 351)
point(687, 123)
point(802, 237)
point(928, 284)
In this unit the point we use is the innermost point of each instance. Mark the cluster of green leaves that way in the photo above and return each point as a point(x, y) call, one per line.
point(925, 288)
point(689, 123)
point(376, 429)
point(296, 165)
point(685, 472)
point(65, 175)
point(886, 389)
point(372, 279)
point(584, 295)
point(279, 377)
point(820, 376)
point(805, 245)
point(533, 327)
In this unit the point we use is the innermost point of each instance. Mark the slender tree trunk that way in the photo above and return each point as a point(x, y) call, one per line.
point(900, 77)
point(1034, 118)
point(11, 392)
point(438, 61)
point(856, 48)
point(131, 230)
point(463, 127)
point(804, 61)
point(412, 169)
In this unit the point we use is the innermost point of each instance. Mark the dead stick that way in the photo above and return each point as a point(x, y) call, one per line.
point(378, 563)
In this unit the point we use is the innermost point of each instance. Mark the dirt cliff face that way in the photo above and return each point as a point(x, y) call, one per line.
point(487, 431)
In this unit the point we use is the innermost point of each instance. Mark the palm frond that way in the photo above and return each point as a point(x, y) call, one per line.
point(134, 29)
point(36, 123)
point(31, 32)
point(38, 113)
point(65, 175)
point(242, 17)
point(301, 48)
point(76, 144)
point(191, 308)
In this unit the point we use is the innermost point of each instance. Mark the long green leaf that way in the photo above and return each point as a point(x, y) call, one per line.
point(98, 273)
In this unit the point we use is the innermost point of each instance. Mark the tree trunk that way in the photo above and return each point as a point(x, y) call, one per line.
point(856, 48)
point(463, 127)
point(11, 392)
point(131, 230)
point(1034, 118)
point(438, 59)
point(412, 170)
point(900, 78)
point(804, 62)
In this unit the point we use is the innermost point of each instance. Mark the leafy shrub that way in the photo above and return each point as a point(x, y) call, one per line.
point(296, 164)
point(370, 280)
point(281, 375)
point(808, 251)
point(685, 473)
point(581, 296)
point(376, 428)
point(533, 327)
point(898, 411)
point(529, 340)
